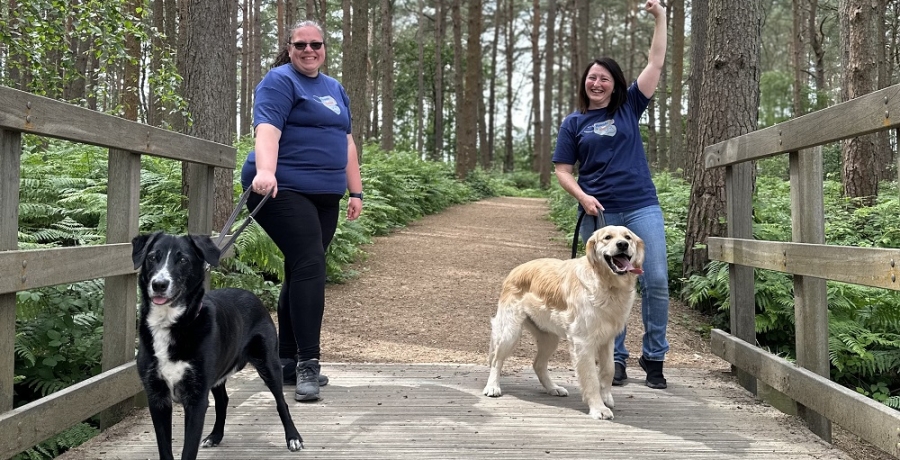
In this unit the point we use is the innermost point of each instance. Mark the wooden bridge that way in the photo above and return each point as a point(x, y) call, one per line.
point(437, 410)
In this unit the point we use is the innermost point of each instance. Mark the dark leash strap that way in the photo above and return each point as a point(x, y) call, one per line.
point(599, 221)
point(234, 214)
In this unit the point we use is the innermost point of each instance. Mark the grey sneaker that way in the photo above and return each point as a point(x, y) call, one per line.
point(289, 372)
point(307, 380)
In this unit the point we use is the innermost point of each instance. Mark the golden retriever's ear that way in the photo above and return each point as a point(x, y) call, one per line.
point(590, 250)
point(638, 259)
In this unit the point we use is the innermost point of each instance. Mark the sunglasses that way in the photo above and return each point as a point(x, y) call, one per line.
point(300, 46)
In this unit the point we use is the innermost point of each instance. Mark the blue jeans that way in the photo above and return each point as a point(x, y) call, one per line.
point(647, 223)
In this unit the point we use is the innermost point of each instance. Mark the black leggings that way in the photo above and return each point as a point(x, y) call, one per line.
point(302, 227)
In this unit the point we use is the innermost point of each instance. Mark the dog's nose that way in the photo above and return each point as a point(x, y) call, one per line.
point(622, 245)
point(159, 285)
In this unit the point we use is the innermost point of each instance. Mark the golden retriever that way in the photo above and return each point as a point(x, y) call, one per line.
point(587, 300)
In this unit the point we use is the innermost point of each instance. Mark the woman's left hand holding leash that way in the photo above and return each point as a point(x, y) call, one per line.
point(263, 182)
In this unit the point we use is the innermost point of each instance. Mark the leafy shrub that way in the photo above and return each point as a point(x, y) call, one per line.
point(863, 347)
point(55, 446)
point(58, 338)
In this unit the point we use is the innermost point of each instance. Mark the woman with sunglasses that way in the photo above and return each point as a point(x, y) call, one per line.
point(306, 158)
point(614, 182)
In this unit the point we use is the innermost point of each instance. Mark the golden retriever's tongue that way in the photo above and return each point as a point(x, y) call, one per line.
point(625, 264)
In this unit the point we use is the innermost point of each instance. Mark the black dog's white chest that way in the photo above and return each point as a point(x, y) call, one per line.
point(172, 371)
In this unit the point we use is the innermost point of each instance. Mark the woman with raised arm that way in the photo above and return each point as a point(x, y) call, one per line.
point(604, 139)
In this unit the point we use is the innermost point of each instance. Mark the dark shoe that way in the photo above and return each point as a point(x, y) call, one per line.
point(654, 370)
point(289, 372)
point(620, 376)
point(307, 381)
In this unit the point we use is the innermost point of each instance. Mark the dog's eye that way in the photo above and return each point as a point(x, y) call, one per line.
point(153, 256)
point(182, 259)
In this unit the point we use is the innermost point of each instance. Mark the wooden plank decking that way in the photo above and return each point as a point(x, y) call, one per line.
point(437, 411)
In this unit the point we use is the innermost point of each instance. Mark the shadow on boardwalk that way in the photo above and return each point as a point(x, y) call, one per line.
point(425, 295)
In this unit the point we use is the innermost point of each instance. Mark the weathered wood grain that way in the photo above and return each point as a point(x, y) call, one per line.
point(808, 226)
point(422, 411)
point(22, 270)
point(863, 115)
point(10, 172)
point(870, 420)
point(44, 116)
point(32, 423)
point(119, 295)
point(876, 267)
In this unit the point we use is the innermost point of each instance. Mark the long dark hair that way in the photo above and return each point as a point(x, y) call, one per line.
point(620, 87)
point(284, 56)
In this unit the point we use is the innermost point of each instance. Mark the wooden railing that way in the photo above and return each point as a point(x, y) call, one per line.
point(112, 391)
point(812, 262)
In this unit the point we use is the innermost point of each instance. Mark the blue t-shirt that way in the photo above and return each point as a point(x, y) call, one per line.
point(313, 115)
point(613, 166)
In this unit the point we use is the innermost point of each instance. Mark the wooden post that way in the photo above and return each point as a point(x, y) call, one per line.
point(201, 201)
point(810, 294)
point(10, 172)
point(201, 196)
point(119, 292)
point(739, 207)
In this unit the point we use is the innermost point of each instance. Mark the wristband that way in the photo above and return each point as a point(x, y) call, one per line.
point(356, 195)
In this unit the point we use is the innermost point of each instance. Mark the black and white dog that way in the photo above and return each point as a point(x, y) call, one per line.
point(191, 341)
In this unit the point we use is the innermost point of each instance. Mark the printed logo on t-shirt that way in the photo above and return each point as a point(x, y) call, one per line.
point(329, 102)
point(603, 128)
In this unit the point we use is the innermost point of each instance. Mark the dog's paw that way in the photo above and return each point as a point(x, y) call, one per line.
point(558, 391)
point(601, 413)
point(294, 445)
point(209, 442)
point(492, 391)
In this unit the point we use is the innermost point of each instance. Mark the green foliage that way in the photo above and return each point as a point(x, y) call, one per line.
point(58, 338)
point(863, 346)
point(55, 446)
point(62, 196)
point(776, 104)
point(41, 35)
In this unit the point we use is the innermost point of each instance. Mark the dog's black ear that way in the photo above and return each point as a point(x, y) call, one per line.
point(207, 248)
point(139, 247)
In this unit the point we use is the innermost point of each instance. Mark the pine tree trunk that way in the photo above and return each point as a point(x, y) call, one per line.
point(213, 116)
point(859, 167)
point(546, 118)
point(729, 95)
point(508, 158)
point(537, 141)
point(387, 64)
point(467, 156)
point(356, 79)
point(676, 120)
point(437, 151)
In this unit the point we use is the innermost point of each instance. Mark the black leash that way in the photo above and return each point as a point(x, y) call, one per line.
point(599, 221)
point(234, 214)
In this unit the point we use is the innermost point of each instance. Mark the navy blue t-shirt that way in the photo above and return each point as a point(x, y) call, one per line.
point(313, 115)
point(613, 166)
